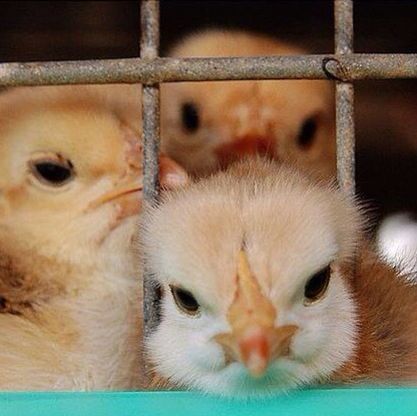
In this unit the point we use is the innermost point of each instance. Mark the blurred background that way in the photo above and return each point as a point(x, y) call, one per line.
point(386, 111)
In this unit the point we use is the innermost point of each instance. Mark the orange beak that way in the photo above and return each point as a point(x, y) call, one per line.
point(171, 176)
point(245, 146)
point(129, 206)
point(254, 340)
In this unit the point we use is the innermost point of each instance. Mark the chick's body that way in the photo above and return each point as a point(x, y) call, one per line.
point(207, 125)
point(259, 294)
point(70, 161)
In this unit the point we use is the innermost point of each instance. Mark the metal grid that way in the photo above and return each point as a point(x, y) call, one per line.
point(343, 67)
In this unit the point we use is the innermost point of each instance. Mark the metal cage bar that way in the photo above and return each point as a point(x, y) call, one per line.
point(345, 123)
point(346, 67)
point(150, 132)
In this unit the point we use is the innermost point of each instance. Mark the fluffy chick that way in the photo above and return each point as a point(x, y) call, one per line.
point(259, 297)
point(70, 184)
point(206, 125)
point(397, 241)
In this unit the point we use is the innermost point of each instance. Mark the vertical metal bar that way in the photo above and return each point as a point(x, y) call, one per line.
point(149, 47)
point(345, 124)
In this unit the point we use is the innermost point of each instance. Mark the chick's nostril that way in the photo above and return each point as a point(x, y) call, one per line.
point(245, 146)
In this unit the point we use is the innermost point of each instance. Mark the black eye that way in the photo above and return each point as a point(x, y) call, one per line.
point(189, 116)
point(53, 172)
point(317, 285)
point(307, 132)
point(185, 300)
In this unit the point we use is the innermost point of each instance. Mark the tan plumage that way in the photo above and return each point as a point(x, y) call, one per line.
point(205, 125)
point(386, 349)
point(266, 256)
point(70, 182)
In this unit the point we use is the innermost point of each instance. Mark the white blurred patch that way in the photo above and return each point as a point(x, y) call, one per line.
point(397, 241)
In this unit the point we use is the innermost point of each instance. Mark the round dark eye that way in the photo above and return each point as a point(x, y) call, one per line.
point(307, 132)
point(53, 172)
point(189, 117)
point(317, 285)
point(185, 300)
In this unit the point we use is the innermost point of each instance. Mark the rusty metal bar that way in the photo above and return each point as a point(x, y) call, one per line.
point(149, 47)
point(345, 123)
point(349, 67)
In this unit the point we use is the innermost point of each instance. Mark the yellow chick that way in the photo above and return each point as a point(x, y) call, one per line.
point(206, 125)
point(268, 285)
point(71, 181)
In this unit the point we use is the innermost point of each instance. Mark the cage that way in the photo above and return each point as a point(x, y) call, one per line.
point(344, 67)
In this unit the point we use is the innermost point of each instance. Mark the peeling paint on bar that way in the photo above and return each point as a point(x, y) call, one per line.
point(345, 123)
point(155, 70)
point(150, 114)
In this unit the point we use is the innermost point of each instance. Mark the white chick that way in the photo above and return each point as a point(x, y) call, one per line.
point(70, 191)
point(397, 242)
point(206, 125)
point(255, 265)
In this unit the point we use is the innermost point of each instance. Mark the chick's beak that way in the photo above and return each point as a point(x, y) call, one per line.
point(129, 206)
point(245, 146)
point(254, 340)
point(259, 346)
point(171, 175)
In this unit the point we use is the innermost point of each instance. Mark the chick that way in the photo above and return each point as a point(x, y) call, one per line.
point(259, 297)
point(206, 125)
point(70, 182)
point(397, 241)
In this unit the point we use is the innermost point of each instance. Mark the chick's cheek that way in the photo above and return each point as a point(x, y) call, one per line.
point(307, 342)
point(205, 355)
point(16, 195)
point(119, 214)
point(129, 206)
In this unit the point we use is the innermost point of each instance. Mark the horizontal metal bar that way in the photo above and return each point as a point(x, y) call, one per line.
point(149, 71)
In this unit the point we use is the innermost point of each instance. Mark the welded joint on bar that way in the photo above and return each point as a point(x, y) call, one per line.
point(335, 70)
point(147, 52)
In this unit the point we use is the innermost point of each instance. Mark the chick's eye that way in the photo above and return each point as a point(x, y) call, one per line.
point(307, 132)
point(189, 117)
point(185, 301)
point(52, 172)
point(317, 285)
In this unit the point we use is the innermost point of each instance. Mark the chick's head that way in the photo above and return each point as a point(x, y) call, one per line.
point(71, 178)
point(207, 125)
point(255, 300)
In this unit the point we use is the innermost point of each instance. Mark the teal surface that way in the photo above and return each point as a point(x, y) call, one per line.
point(322, 402)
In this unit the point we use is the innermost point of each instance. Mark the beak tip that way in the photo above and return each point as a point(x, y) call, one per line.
point(257, 366)
point(255, 353)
